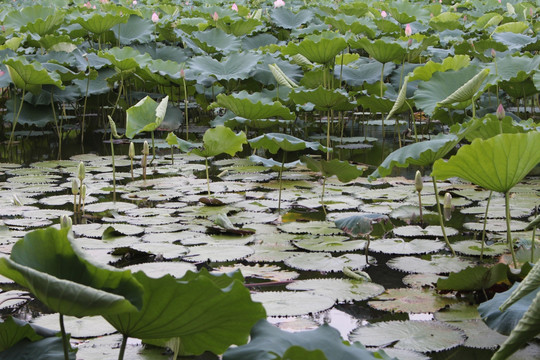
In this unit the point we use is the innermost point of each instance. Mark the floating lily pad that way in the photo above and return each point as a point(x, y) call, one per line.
point(159, 269)
point(429, 231)
point(218, 253)
point(59, 200)
point(13, 298)
point(327, 263)
point(474, 248)
point(479, 335)
point(496, 225)
point(458, 312)
point(289, 303)
point(411, 301)
point(50, 214)
point(438, 264)
point(312, 227)
point(400, 246)
point(405, 354)
point(89, 326)
point(28, 223)
point(109, 206)
point(419, 336)
point(106, 347)
point(267, 272)
point(341, 290)
point(421, 280)
point(328, 243)
point(165, 250)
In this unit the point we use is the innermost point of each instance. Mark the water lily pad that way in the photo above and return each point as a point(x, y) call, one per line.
point(474, 248)
point(419, 336)
point(106, 347)
point(165, 250)
point(46, 214)
point(458, 312)
point(438, 264)
point(13, 298)
point(267, 272)
point(402, 354)
point(411, 301)
point(159, 269)
point(291, 303)
point(87, 327)
point(341, 290)
point(218, 253)
point(400, 246)
point(109, 206)
point(327, 263)
point(328, 243)
point(421, 280)
point(479, 335)
point(496, 225)
point(312, 227)
point(429, 231)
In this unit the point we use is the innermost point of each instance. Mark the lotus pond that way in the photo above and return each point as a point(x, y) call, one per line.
point(263, 180)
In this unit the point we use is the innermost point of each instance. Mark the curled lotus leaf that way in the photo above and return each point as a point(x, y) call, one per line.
point(30, 76)
point(382, 50)
point(253, 106)
point(321, 48)
point(146, 115)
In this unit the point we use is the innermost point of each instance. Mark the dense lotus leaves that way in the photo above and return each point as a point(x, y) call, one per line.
point(441, 86)
point(96, 86)
point(345, 23)
point(514, 42)
point(220, 140)
point(263, 73)
point(491, 126)
point(50, 348)
point(135, 30)
point(35, 19)
point(235, 66)
point(497, 163)
point(12, 332)
point(216, 41)
point(475, 278)
point(253, 106)
point(446, 20)
point(272, 164)
point(382, 50)
point(98, 22)
point(516, 27)
point(66, 74)
point(172, 53)
point(321, 48)
point(241, 27)
point(363, 70)
point(146, 115)
point(386, 27)
point(467, 91)
point(30, 76)
point(426, 71)
point(407, 12)
point(323, 99)
point(125, 59)
point(512, 68)
point(207, 312)
point(276, 141)
point(344, 170)
point(267, 341)
point(72, 286)
point(259, 40)
point(287, 19)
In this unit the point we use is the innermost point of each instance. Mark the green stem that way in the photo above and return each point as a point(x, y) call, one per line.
point(113, 169)
point(122, 347)
point(441, 217)
point(322, 196)
point(508, 232)
point(420, 207)
point(328, 120)
point(280, 173)
point(485, 224)
point(84, 109)
point(413, 121)
point(382, 115)
point(207, 175)
point(65, 341)
point(186, 102)
point(367, 249)
point(533, 242)
point(16, 118)
point(153, 149)
point(119, 94)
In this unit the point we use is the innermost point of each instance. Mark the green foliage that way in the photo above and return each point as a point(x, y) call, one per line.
point(475, 278)
point(146, 115)
point(220, 140)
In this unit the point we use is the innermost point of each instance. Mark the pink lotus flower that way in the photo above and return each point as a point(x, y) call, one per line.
point(87, 5)
point(2, 73)
point(215, 16)
point(279, 3)
point(234, 7)
point(134, 2)
point(500, 112)
point(408, 30)
point(384, 14)
point(155, 17)
point(182, 73)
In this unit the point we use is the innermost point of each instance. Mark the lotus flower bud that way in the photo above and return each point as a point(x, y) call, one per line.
point(112, 124)
point(182, 73)
point(65, 222)
point(155, 17)
point(384, 14)
point(81, 172)
point(500, 112)
point(83, 191)
point(493, 53)
point(234, 7)
point(131, 152)
point(447, 201)
point(215, 16)
point(74, 187)
point(409, 43)
point(279, 3)
point(418, 183)
point(408, 30)
point(146, 148)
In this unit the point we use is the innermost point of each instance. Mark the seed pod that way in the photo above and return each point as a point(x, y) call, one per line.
point(131, 150)
point(418, 181)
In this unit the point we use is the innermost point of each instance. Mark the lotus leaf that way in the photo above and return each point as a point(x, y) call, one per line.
point(216, 41)
point(50, 348)
point(345, 23)
point(323, 99)
point(413, 301)
point(497, 164)
point(410, 335)
point(253, 106)
point(446, 21)
point(36, 19)
point(287, 19)
point(98, 22)
point(426, 71)
point(30, 76)
point(12, 332)
point(235, 66)
point(275, 141)
point(220, 140)
point(400, 246)
point(146, 115)
point(135, 30)
point(321, 48)
point(207, 312)
point(38, 116)
point(73, 286)
point(381, 50)
point(267, 341)
point(126, 59)
point(475, 278)
point(329, 243)
point(517, 27)
point(325, 262)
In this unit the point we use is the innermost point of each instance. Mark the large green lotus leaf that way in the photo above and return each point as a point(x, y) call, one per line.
point(253, 106)
point(267, 341)
point(12, 332)
point(241, 27)
point(30, 76)
point(323, 99)
point(381, 50)
point(475, 278)
point(410, 335)
point(450, 63)
point(513, 68)
point(98, 23)
point(38, 116)
point(59, 276)
point(287, 19)
point(378, 104)
point(50, 348)
point(276, 141)
point(321, 48)
point(491, 126)
point(235, 66)
point(495, 164)
point(446, 21)
point(514, 42)
point(467, 91)
point(221, 140)
point(363, 70)
point(135, 30)
point(216, 40)
point(342, 290)
point(441, 86)
point(345, 23)
point(344, 170)
point(146, 115)
point(412, 301)
point(505, 321)
point(183, 145)
point(207, 312)
point(125, 59)
point(35, 19)
point(514, 27)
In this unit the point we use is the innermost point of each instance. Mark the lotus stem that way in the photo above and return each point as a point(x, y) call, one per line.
point(119, 94)
point(419, 185)
point(382, 115)
point(113, 168)
point(65, 341)
point(485, 224)
point(367, 249)
point(207, 175)
point(122, 347)
point(441, 220)
point(84, 110)
point(16, 118)
point(322, 196)
point(280, 174)
point(328, 136)
point(508, 233)
point(533, 245)
point(131, 153)
point(153, 149)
